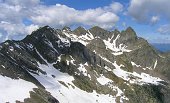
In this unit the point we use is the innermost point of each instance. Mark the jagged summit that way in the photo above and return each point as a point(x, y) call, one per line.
point(116, 31)
point(80, 31)
point(129, 29)
point(97, 27)
point(45, 27)
point(42, 32)
point(127, 36)
point(80, 28)
point(99, 32)
point(66, 28)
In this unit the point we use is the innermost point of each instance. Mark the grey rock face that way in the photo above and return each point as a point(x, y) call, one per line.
point(100, 32)
point(80, 31)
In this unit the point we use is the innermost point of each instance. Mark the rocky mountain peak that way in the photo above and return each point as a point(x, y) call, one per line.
point(116, 31)
point(80, 31)
point(66, 29)
point(42, 32)
point(100, 32)
point(130, 32)
point(129, 29)
point(97, 27)
point(128, 36)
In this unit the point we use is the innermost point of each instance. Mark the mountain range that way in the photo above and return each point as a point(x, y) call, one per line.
point(83, 66)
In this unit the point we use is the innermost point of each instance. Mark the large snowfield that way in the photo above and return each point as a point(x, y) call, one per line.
point(14, 89)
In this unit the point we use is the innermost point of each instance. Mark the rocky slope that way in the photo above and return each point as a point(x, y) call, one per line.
point(83, 66)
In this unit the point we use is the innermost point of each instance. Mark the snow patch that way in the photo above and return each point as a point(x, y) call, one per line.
point(11, 48)
point(107, 68)
point(83, 70)
point(117, 49)
point(71, 93)
point(103, 80)
point(119, 92)
point(134, 77)
point(72, 60)
point(134, 64)
point(140, 79)
point(59, 58)
point(3, 66)
point(67, 62)
point(65, 41)
point(94, 51)
point(84, 39)
point(86, 64)
point(156, 62)
point(14, 89)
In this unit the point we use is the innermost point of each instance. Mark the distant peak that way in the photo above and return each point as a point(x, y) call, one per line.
point(128, 35)
point(66, 28)
point(44, 31)
point(99, 32)
point(116, 31)
point(130, 29)
point(96, 28)
point(45, 27)
point(80, 31)
point(80, 28)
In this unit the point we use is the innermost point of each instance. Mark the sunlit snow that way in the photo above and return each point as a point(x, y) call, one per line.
point(140, 79)
point(116, 49)
point(103, 80)
point(84, 39)
point(69, 93)
point(14, 89)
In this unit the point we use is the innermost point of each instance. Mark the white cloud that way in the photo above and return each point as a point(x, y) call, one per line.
point(144, 10)
point(114, 7)
point(30, 28)
point(60, 15)
point(14, 12)
point(154, 19)
point(23, 3)
point(11, 31)
point(164, 29)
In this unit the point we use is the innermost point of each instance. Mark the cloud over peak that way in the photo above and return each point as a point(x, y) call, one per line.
point(14, 14)
point(61, 15)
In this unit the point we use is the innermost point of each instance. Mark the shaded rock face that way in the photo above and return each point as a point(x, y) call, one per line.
point(111, 63)
point(80, 31)
point(99, 32)
point(127, 37)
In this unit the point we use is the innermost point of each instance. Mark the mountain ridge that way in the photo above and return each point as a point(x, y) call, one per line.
point(93, 62)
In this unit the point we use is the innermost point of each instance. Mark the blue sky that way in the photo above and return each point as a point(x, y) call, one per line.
point(149, 18)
